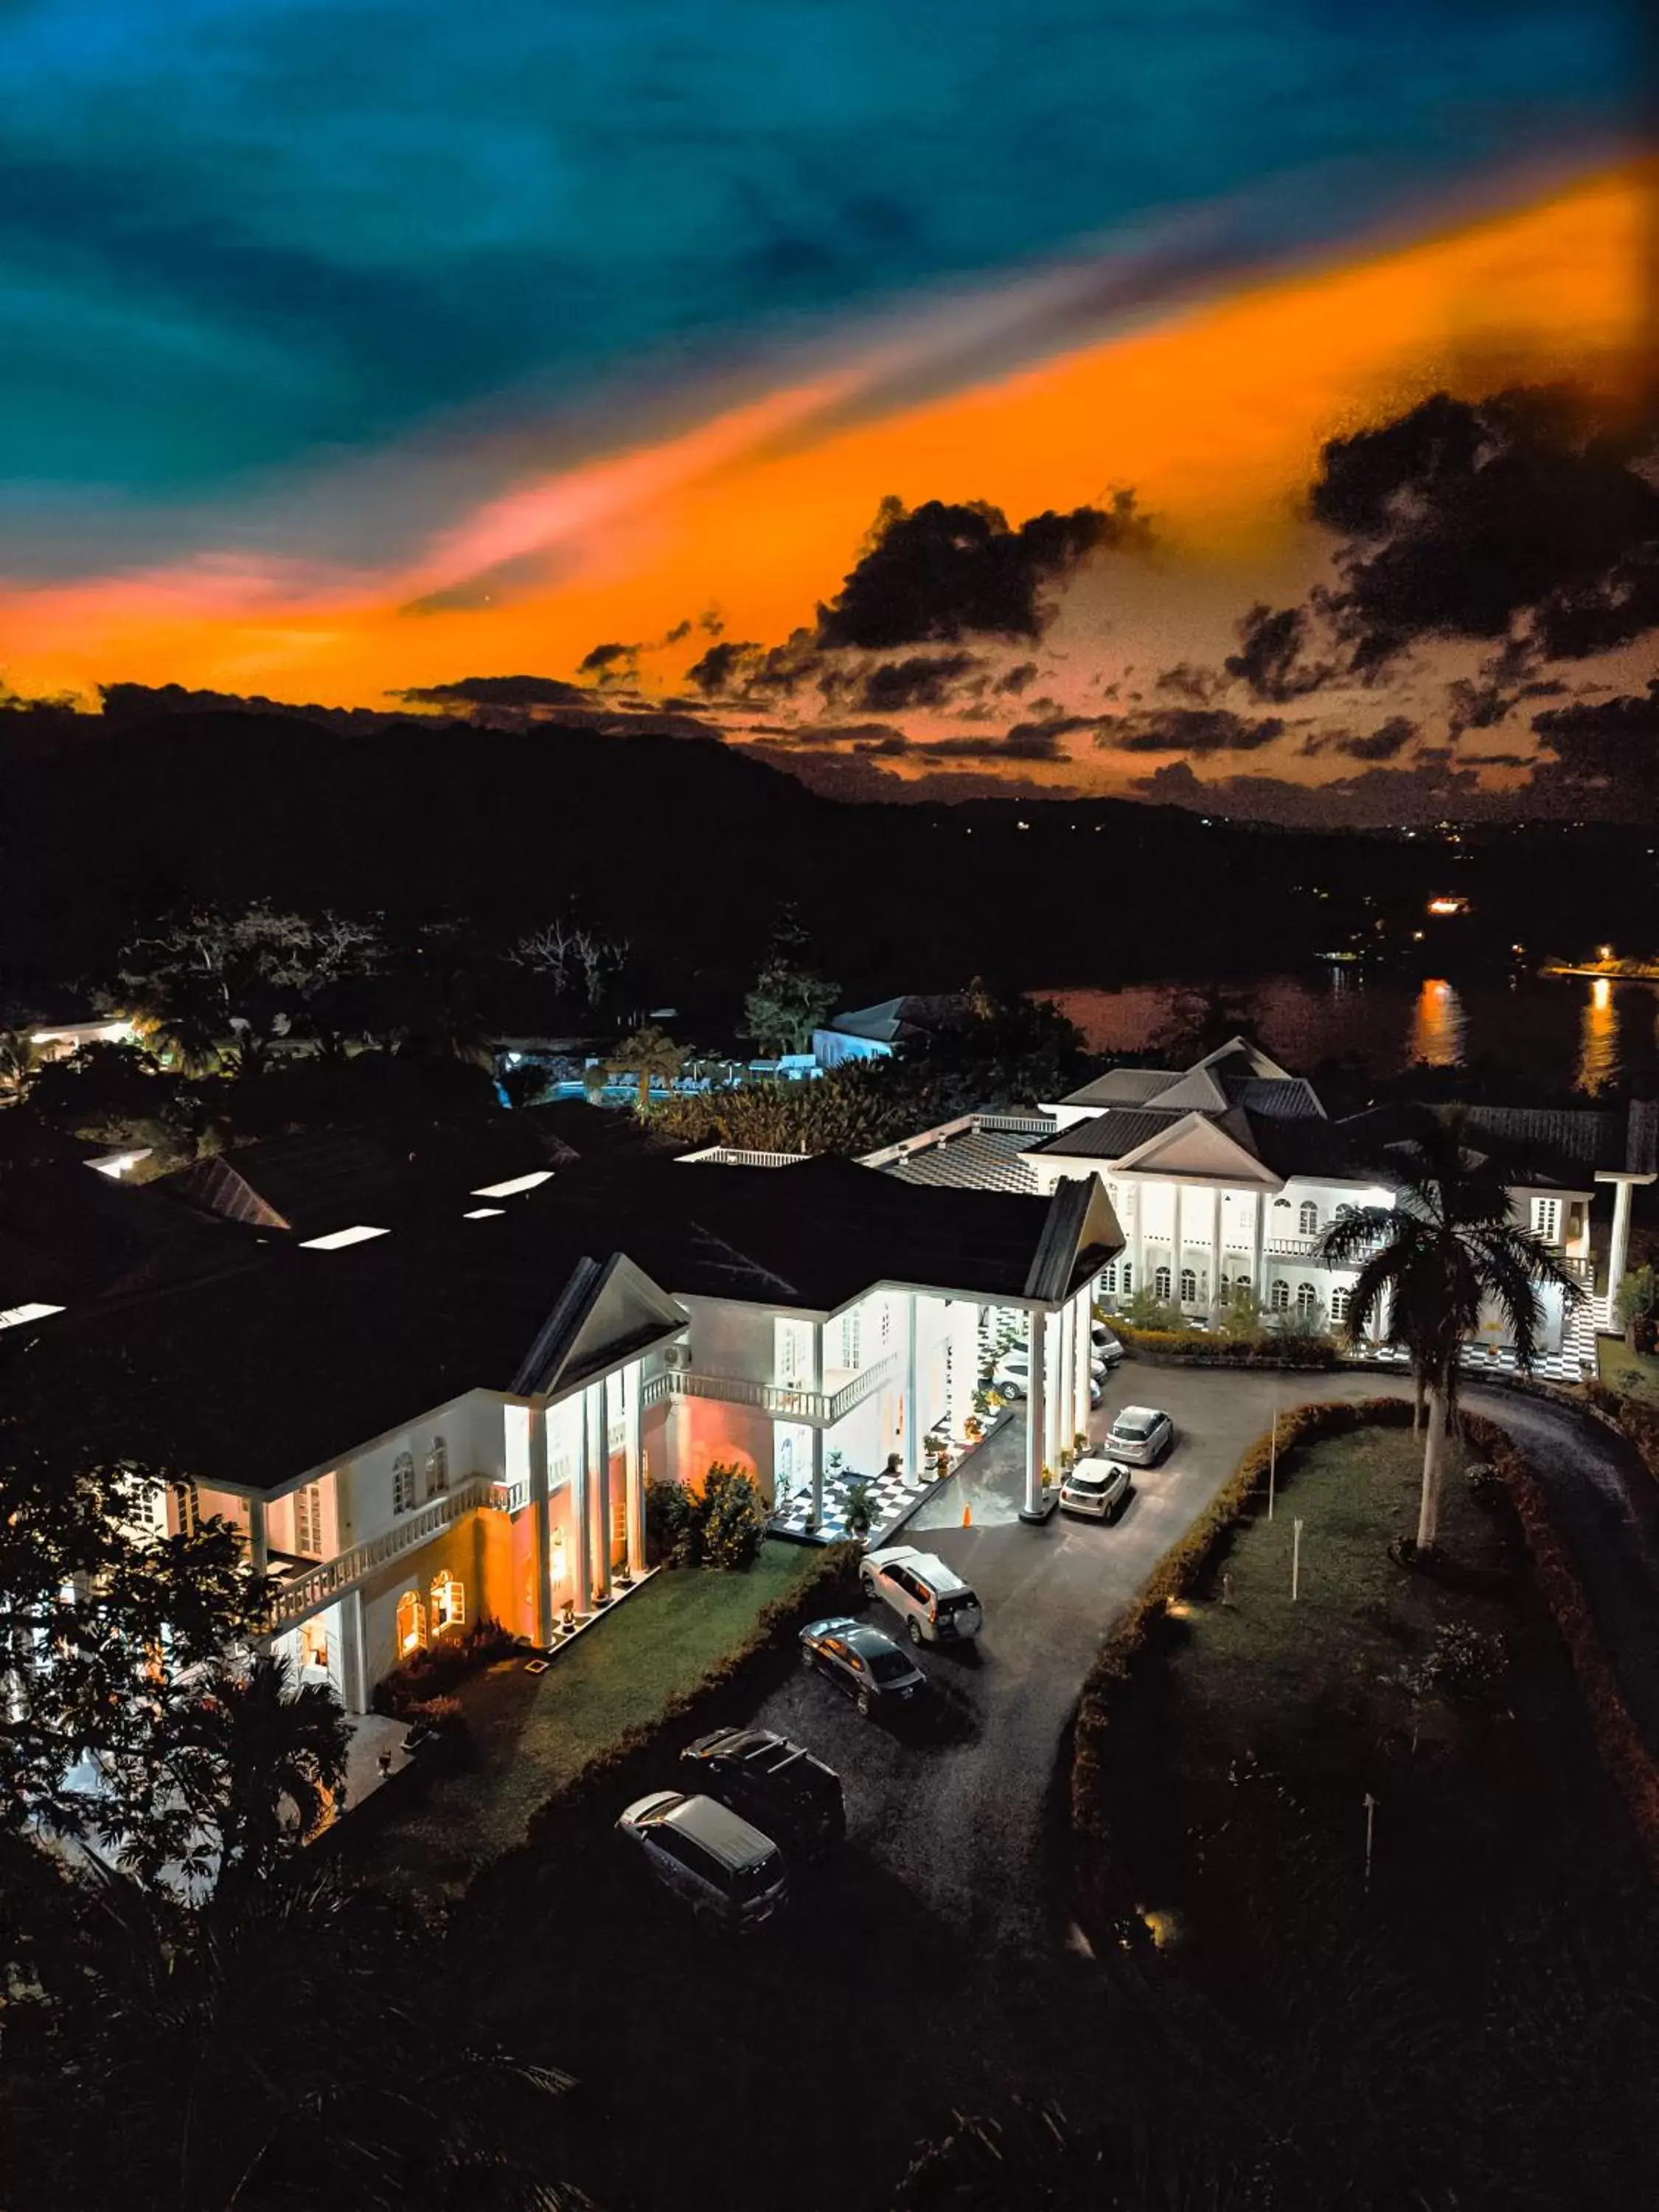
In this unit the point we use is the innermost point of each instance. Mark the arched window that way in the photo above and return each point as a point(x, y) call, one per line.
point(1108, 1277)
point(448, 1602)
point(411, 1624)
point(1160, 1282)
point(187, 1509)
point(1189, 1287)
point(1279, 1296)
point(1307, 1301)
point(1308, 1218)
point(1128, 1267)
point(1340, 1298)
point(403, 1483)
point(437, 1467)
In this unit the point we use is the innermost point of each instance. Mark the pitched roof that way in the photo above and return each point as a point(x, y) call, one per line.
point(1123, 1086)
point(1109, 1136)
point(69, 1237)
point(976, 1158)
point(1549, 1148)
point(892, 1020)
point(320, 1180)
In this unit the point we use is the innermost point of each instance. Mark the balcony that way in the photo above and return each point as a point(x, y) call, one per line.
point(305, 1593)
point(818, 1409)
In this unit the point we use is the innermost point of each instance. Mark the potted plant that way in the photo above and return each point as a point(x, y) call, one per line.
point(568, 1617)
point(782, 1491)
point(859, 1511)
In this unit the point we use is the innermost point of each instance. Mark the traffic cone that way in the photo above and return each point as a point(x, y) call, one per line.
point(967, 1516)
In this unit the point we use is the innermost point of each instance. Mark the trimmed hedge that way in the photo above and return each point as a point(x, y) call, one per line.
point(1181, 1570)
point(1637, 1422)
point(1202, 1347)
point(1628, 1757)
point(638, 1759)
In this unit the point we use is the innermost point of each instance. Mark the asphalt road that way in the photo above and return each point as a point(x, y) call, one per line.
point(956, 1808)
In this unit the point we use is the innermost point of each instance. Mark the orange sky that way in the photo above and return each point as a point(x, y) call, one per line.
point(1213, 412)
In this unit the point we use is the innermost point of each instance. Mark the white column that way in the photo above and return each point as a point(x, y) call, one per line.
point(1619, 1249)
point(353, 1657)
point(1176, 1254)
point(817, 1478)
point(576, 1539)
point(633, 1394)
point(1086, 1314)
point(257, 1546)
point(912, 1395)
point(1216, 1234)
point(541, 1539)
point(1036, 1418)
point(598, 1490)
point(1262, 1249)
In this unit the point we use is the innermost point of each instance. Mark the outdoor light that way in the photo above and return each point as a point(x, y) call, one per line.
point(514, 1184)
point(337, 1239)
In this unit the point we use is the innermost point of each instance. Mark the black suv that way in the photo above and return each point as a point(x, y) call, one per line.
point(776, 1784)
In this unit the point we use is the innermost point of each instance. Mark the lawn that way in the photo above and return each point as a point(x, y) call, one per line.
point(1635, 1373)
point(533, 1735)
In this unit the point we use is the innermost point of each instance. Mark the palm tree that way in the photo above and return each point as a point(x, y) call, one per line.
point(649, 1052)
point(1429, 1266)
point(266, 1761)
point(20, 1056)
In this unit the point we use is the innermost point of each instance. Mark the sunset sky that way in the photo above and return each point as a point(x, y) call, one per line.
point(356, 352)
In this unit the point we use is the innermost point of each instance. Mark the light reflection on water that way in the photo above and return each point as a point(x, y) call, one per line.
point(1566, 1030)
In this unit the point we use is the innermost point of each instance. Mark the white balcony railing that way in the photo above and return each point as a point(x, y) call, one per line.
point(783, 1402)
point(331, 1578)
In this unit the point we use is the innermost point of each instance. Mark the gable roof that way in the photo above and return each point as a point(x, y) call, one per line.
point(1123, 1086)
point(894, 1020)
point(1112, 1135)
point(1210, 1147)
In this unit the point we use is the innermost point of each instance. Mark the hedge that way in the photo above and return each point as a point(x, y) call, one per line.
point(1627, 1756)
point(1637, 1422)
point(1201, 1347)
point(637, 1759)
point(1181, 1570)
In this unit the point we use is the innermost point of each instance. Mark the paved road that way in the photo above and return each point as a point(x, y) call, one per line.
point(958, 1813)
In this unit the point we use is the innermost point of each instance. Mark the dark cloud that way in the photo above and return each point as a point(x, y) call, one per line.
point(1379, 797)
point(1017, 679)
point(1187, 730)
point(921, 681)
point(1385, 743)
point(943, 573)
point(1497, 760)
point(1610, 747)
point(679, 633)
point(1272, 658)
point(608, 661)
point(1198, 686)
point(720, 669)
point(1458, 519)
point(498, 691)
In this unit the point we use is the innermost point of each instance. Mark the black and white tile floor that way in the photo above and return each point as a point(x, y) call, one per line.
point(890, 1500)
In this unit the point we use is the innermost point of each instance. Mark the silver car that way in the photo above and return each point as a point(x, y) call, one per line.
point(935, 1604)
point(1097, 1487)
point(1140, 1434)
point(726, 1871)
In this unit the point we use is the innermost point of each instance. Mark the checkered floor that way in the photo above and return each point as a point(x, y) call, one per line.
point(1575, 1360)
point(888, 1499)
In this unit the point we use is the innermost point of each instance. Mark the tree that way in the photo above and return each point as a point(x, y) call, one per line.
point(565, 954)
point(1201, 1020)
point(789, 1000)
point(650, 1052)
point(20, 1056)
point(260, 1762)
point(1429, 1266)
point(275, 2048)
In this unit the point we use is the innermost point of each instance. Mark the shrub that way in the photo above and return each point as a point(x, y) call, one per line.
point(1463, 1665)
point(1144, 1311)
point(732, 1518)
point(671, 1532)
point(861, 1507)
point(1486, 1484)
point(435, 1672)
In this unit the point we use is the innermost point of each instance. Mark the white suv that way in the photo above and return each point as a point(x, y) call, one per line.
point(936, 1605)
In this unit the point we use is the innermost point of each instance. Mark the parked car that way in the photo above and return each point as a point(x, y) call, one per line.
point(935, 1604)
point(1107, 1347)
point(1141, 1435)
point(777, 1784)
point(1013, 1374)
point(728, 1873)
point(869, 1666)
point(1098, 1487)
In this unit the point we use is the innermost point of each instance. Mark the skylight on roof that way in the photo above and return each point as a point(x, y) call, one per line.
point(514, 1184)
point(14, 1317)
point(485, 1213)
point(337, 1238)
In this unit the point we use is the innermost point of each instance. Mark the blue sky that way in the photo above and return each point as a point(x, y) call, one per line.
point(239, 237)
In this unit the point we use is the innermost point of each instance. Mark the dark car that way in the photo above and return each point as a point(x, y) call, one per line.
point(869, 1666)
point(777, 1784)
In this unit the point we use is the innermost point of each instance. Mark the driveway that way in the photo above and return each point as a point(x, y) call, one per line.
point(959, 1814)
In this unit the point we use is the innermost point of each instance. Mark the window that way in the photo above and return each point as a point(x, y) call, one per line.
point(308, 1520)
point(1128, 1267)
point(1307, 1301)
point(886, 1322)
point(849, 1340)
point(1189, 1287)
point(1547, 1220)
point(1307, 1219)
point(1160, 1282)
point(1279, 1296)
point(313, 1646)
point(1341, 1296)
point(448, 1602)
point(411, 1624)
point(403, 1483)
point(1108, 1276)
point(187, 1508)
point(437, 1467)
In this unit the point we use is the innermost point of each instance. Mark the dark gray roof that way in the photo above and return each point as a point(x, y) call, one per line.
point(1298, 1144)
point(977, 1159)
point(1287, 1099)
point(1110, 1135)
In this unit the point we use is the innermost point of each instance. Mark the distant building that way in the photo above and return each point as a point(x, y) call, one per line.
point(877, 1032)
